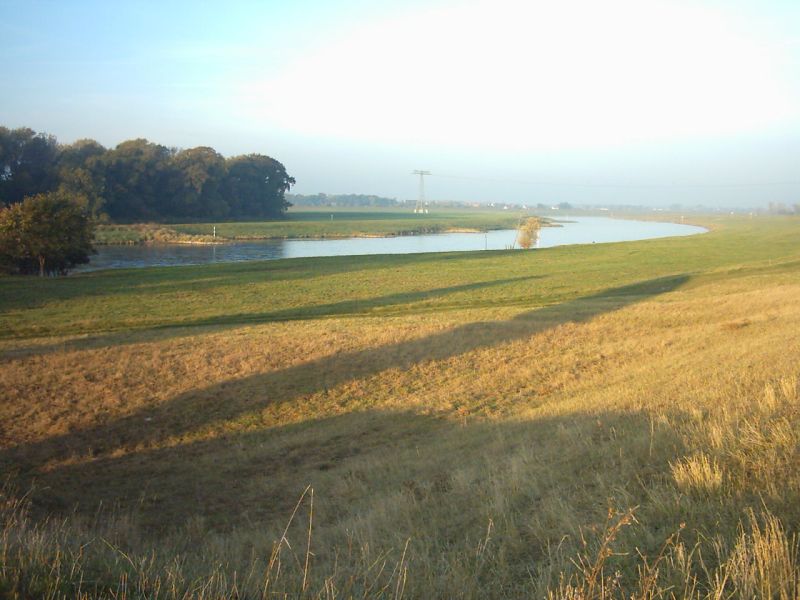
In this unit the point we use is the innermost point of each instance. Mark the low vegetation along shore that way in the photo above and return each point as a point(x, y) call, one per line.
point(319, 224)
point(601, 421)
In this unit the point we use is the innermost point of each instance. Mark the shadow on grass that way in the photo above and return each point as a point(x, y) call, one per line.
point(201, 409)
point(257, 476)
point(20, 292)
point(544, 486)
point(367, 306)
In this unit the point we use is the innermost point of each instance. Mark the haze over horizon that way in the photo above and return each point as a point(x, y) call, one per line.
point(628, 102)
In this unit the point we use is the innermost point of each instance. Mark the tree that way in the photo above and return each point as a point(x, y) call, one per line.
point(200, 176)
point(139, 179)
point(45, 234)
point(256, 186)
point(81, 174)
point(528, 232)
point(27, 163)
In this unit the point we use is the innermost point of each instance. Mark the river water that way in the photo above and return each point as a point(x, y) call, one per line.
point(576, 230)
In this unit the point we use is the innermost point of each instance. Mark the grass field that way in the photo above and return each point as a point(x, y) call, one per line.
point(604, 421)
point(304, 223)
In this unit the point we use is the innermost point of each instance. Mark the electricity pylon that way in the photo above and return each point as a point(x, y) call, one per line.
point(420, 208)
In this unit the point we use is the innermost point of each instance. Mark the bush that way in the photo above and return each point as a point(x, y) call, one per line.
point(528, 233)
point(44, 234)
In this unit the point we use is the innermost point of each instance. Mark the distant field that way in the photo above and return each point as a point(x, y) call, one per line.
point(305, 223)
point(600, 421)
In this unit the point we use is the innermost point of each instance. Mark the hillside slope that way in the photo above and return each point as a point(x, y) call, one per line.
point(458, 425)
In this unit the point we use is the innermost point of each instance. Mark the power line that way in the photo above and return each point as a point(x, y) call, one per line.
point(420, 208)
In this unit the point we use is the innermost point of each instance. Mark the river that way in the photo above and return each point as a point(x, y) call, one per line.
point(575, 230)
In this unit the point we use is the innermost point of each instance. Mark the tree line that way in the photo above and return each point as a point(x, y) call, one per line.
point(340, 200)
point(139, 180)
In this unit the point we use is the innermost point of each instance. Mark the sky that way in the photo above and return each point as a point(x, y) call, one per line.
point(652, 102)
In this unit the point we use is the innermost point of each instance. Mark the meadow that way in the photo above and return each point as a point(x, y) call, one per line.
point(304, 222)
point(606, 421)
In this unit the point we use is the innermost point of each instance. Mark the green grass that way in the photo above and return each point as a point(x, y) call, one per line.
point(439, 425)
point(303, 223)
point(146, 233)
point(257, 292)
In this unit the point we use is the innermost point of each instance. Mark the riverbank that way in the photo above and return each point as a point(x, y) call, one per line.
point(616, 405)
point(577, 230)
point(146, 233)
point(307, 224)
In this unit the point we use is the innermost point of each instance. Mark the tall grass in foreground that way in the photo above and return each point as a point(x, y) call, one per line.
point(742, 447)
point(761, 562)
point(68, 558)
point(57, 559)
point(614, 422)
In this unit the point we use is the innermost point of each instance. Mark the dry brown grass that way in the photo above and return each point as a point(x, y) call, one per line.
point(469, 453)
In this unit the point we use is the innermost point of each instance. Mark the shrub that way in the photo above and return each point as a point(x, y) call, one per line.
point(44, 234)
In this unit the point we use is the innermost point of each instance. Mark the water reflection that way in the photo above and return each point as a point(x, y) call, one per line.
point(579, 230)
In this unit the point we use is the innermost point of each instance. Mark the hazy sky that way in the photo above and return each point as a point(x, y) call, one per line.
point(629, 101)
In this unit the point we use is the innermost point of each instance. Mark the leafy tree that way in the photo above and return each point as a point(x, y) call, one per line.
point(141, 181)
point(27, 163)
point(81, 174)
point(256, 186)
point(199, 191)
point(45, 234)
point(139, 178)
point(528, 232)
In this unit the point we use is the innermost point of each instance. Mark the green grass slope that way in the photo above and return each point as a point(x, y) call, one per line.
point(604, 421)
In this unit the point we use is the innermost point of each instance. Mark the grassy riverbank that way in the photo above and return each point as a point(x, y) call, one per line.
point(445, 425)
point(302, 223)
